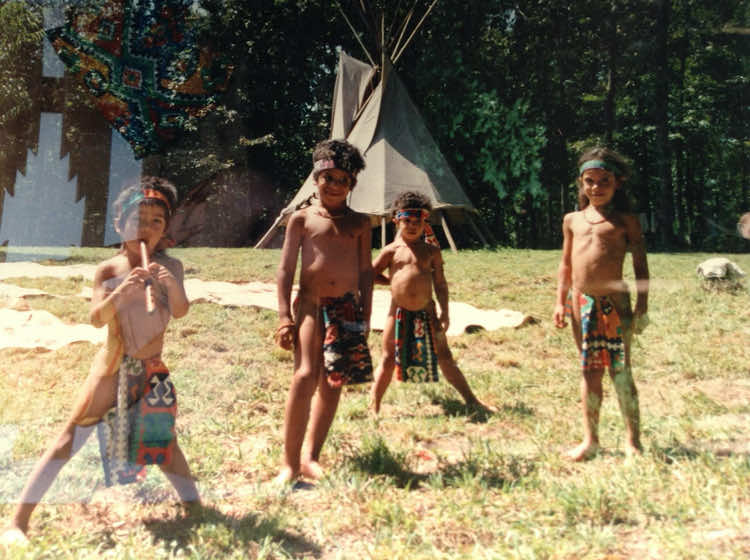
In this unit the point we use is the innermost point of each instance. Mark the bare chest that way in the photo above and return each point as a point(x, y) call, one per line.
point(606, 238)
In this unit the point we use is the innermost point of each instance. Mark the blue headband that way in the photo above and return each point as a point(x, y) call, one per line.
point(599, 164)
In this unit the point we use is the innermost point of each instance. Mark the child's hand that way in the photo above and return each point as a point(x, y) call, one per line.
point(134, 283)
point(559, 316)
point(444, 321)
point(161, 274)
point(285, 336)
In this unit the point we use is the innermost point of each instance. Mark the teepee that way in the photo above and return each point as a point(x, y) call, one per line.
point(373, 111)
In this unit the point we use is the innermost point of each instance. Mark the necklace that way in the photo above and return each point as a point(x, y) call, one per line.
point(322, 212)
point(604, 218)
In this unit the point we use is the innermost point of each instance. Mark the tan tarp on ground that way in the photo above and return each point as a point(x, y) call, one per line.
point(29, 328)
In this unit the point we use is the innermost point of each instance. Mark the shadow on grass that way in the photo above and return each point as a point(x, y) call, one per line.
point(489, 469)
point(454, 407)
point(377, 459)
point(249, 532)
point(680, 452)
point(495, 471)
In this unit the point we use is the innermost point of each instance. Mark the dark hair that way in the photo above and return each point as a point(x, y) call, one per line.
point(343, 154)
point(410, 199)
point(621, 169)
point(126, 200)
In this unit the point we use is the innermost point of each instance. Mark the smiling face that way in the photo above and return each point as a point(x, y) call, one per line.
point(148, 223)
point(599, 186)
point(333, 187)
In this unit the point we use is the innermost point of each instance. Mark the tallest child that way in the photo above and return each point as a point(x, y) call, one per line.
point(329, 321)
point(595, 240)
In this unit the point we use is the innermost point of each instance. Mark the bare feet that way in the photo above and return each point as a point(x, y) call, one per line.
point(488, 408)
point(13, 537)
point(583, 452)
point(633, 449)
point(480, 411)
point(286, 476)
point(313, 470)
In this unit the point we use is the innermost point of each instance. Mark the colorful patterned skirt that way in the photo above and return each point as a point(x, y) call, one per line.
point(346, 356)
point(140, 430)
point(605, 323)
point(416, 359)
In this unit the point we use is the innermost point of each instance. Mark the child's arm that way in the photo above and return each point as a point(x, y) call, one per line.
point(104, 304)
point(381, 262)
point(564, 273)
point(170, 277)
point(366, 270)
point(640, 264)
point(440, 285)
point(295, 230)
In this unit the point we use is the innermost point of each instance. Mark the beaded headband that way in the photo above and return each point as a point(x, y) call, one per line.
point(413, 213)
point(321, 164)
point(423, 213)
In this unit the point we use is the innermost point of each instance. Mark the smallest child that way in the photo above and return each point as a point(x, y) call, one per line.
point(414, 341)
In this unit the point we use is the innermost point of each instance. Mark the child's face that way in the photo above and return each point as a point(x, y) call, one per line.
point(333, 186)
point(599, 186)
point(148, 223)
point(410, 228)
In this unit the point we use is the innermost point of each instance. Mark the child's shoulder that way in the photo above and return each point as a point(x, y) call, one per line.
point(113, 266)
point(165, 259)
point(361, 218)
point(173, 264)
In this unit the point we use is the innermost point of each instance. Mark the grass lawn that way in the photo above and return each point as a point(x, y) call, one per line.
point(428, 479)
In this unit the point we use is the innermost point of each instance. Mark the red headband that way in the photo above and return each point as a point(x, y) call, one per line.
point(153, 193)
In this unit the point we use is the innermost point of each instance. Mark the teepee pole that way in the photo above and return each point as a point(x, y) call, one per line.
point(476, 230)
point(421, 21)
point(269, 234)
point(447, 231)
point(382, 232)
point(402, 29)
point(356, 36)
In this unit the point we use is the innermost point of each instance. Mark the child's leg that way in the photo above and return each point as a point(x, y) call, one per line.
point(627, 398)
point(384, 371)
point(325, 403)
point(591, 402)
point(178, 473)
point(450, 369)
point(46, 470)
point(307, 360)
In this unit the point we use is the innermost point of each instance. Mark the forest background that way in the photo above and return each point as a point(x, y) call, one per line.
point(511, 90)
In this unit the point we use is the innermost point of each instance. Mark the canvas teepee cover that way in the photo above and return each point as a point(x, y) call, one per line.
point(400, 154)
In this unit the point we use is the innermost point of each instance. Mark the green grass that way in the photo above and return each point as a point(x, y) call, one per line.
point(429, 478)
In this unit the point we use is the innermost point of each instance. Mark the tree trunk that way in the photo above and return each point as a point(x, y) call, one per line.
point(665, 214)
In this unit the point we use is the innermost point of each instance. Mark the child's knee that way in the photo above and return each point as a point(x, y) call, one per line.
point(388, 362)
point(62, 448)
point(305, 379)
